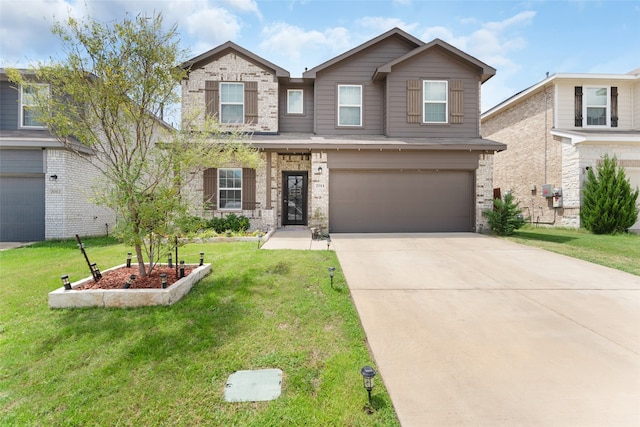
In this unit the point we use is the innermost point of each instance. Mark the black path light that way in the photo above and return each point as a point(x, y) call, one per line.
point(328, 242)
point(96, 271)
point(65, 282)
point(181, 269)
point(367, 376)
point(201, 258)
point(128, 259)
point(169, 261)
point(332, 272)
point(163, 279)
point(129, 282)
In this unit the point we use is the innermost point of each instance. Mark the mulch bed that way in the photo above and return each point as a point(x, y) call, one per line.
point(116, 279)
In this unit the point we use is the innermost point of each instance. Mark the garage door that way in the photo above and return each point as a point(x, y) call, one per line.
point(392, 201)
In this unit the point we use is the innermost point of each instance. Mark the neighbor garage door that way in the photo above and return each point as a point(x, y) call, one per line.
point(22, 191)
point(389, 200)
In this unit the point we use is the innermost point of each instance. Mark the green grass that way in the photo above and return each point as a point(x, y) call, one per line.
point(167, 366)
point(619, 251)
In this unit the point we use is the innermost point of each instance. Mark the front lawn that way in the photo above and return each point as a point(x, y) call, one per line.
point(167, 366)
point(620, 251)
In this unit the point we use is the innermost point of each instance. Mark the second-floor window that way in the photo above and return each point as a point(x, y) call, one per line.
point(294, 101)
point(596, 106)
point(349, 105)
point(28, 108)
point(435, 106)
point(229, 189)
point(231, 103)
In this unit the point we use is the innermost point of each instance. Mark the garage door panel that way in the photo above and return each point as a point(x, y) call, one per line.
point(400, 201)
point(22, 209)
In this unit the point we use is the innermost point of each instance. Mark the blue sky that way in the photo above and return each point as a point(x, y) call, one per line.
point(523, 40)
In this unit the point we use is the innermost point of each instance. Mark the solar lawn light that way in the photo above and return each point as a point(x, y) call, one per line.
point(128, 259)
point(201, 258)
point(163, 279)
point(367, 376)
point(181, 269)
point(332, 272)
point(65, 282)
point(96, 271)
point(169, 261)
point(328, 242)
point(129, 281)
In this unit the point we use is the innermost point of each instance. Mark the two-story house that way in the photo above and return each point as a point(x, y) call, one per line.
point(45, 189)
point(555, 131)
point(383, 138)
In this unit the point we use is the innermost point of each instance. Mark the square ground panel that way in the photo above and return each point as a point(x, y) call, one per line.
point(253, 386)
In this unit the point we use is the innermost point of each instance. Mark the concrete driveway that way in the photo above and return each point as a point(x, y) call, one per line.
point(470, 330)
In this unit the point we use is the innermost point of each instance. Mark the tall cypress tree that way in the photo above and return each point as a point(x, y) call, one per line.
point(608, 202)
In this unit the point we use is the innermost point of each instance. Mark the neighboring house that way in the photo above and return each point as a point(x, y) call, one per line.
point(383, 138)
point(555, 131)
point(44, 188)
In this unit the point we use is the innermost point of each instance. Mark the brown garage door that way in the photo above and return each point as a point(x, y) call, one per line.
point(390, 201)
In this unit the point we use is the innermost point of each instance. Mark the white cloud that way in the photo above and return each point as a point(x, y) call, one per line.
point(381, 24)
point(286, 39)
point(199, 24)
point(244, 6)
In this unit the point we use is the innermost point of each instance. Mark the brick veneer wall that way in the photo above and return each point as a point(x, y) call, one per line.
point(232, 68)
point(533, 157)
point(68, 206)
point(484, 191)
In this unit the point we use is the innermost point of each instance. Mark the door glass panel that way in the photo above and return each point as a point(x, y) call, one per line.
point(295, 199)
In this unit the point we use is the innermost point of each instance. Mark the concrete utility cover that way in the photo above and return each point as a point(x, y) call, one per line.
point(253, 386)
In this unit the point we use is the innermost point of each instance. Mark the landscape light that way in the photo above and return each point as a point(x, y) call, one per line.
point(332, 272)
point(328, 242)
point(201, 258)
point(96, 271)
point(163, 278)
point(367, 376)
point(129, 282)
point(128, 259)
point(65, 282)
point(169, 261)
point(181, 269)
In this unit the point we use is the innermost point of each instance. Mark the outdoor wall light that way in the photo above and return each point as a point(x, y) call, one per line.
point(129, 282)
point(65, 282)
point(319, 169)
point(332, 272)
point(169, 261)
point(96, 271)
point(163, 279)
point(201, 258)
point(367, 376)
point(128, 259)
point(181, 269)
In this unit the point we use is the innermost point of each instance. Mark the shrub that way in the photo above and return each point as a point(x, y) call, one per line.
point(609, 203)
point(192, 224)
point(506, 217)
point(231, 222)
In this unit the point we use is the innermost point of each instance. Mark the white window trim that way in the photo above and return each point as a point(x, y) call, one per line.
point(350, 105)
point(585, 105)
point(220, 188)
point(445, 102)
point(231, 103)
point(301, 101)
point(22, 106)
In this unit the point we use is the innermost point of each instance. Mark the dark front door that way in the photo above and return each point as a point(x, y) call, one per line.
point(294, 198)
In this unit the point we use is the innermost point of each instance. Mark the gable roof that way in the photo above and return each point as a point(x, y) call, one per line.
point(487, 71)
point(633, 75)
point(395, 32)
point(218, 51)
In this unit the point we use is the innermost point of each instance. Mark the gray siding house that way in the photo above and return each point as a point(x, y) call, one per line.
point(44, 188)
point(383, 138)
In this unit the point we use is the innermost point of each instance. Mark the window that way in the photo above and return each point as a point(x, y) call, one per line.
point(229, 189)
point(231, 103)
point(349, 105)
point(28, 98)
point(294, 101)
point(435, 108)
point(596, 106)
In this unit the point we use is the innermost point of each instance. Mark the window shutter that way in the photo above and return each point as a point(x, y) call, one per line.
point(210, 187)
point(211, 98)
point(251, 102)
point(456, 101)
point(578, 106)
point(414, 101)
point(248, 189)
point(614, 107)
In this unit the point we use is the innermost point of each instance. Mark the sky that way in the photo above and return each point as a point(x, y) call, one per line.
point(522, 40)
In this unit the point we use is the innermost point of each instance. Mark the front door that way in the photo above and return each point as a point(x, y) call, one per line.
point(294, 198)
